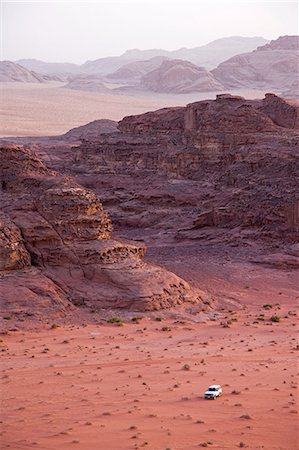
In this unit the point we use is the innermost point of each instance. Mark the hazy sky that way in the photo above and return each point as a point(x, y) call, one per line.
point(77, 31)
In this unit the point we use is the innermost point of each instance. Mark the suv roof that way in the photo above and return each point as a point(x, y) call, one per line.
point(214, 386)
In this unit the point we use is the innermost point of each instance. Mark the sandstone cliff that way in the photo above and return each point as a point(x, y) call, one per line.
point(58, 250)
point(228, 163)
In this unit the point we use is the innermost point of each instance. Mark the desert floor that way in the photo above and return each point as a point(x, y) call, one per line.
point(140, 385)
point(90, 385)
point(32, 109)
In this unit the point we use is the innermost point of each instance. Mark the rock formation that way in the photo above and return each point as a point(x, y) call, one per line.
point(133, 71)
point(10, 71)
point(48, 68)
point(229, 163)
point(92, 83)
point(92, 130)
point(180, 77)
point(272, 66)
point(58, 249)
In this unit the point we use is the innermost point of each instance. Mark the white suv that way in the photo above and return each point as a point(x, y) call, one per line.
point(213, 391)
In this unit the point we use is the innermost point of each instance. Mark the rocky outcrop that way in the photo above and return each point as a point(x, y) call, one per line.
point(10, 71)
point(180, 77)
point(228, 114)
point(229, 162)
point(133, 71)
point(280, 111)
point(91, 83)
point(272, 66)
point(281, 43)
point(57, 240)
point(13, 253)
point(92, 130)
point(165, 119)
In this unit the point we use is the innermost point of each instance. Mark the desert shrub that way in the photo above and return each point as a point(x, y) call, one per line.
point(136, 319)
point(186, 367)
point(267, 306)
point(115, 319)
point(275, 318)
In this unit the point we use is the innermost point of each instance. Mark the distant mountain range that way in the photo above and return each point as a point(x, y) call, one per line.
point(270, 66)
point(209, 56)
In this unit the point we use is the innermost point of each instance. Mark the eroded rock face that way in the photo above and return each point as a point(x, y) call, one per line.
point(228, 162)
point(165, 119)
point(92, 130)
point(57, 239)
point(13, 253)
point(281, 112)
point(228, 114)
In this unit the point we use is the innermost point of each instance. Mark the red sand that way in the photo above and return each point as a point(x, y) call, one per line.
point(115, 388)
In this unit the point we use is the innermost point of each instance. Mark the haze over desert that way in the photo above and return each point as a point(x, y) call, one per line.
point(149, 225)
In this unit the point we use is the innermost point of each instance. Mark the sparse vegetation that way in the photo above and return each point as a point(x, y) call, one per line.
point(186, 367)
point(7, 317)
point(267, 306)
point(275, 318)
point(136, 319)
point(115, 319)
point(54, 326)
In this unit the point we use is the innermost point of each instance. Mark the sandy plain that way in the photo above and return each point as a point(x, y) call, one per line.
point(91, 385)
point(32, 109)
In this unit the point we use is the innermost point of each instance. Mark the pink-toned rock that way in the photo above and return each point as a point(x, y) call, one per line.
point(228, 114)
point(282, 112)
point(133, 71)
point(272, 66)
point(178, 76)
point(10, 72)
point(13, 254)
point(67, 234)
point(164, 119)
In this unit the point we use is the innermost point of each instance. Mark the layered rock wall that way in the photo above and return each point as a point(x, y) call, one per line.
point(55, 233)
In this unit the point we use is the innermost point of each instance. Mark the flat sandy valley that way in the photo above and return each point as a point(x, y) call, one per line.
point(33, 109)
point(93, 385)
